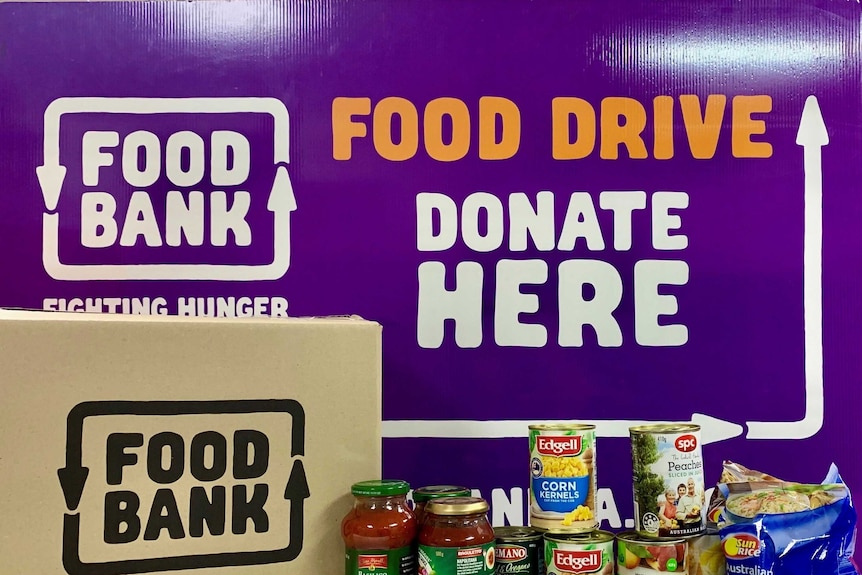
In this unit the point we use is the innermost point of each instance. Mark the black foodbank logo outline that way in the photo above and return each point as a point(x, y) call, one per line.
point(74, 476)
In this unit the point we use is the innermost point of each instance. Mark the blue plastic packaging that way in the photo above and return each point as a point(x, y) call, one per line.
point(814, 541)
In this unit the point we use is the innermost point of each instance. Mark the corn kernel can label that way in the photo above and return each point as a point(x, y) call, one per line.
point(668, 480)
point(563, 477)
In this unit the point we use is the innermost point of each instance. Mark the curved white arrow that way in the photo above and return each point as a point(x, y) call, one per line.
point(812, 136)
point(51, 174)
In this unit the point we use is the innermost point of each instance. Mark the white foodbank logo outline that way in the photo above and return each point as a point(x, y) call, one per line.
point(281, 201)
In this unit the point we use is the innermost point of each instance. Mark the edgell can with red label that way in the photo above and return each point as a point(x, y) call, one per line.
point(668, 480)
point(563, 478)
point(580, 553)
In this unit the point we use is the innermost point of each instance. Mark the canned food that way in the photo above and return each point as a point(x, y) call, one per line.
point(563, 477)
point(519, 550)
point(668, 480)
point(639, 555)
point(568, 553)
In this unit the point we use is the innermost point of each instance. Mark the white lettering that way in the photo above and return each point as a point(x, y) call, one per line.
point(577, 311)
point(93, 158)
point(622, 204)
point(98, 226)
point(225, 143)
point(536, 223)
point(581, 222)
point(470, 219)
point(149, 143)
point(462, 304)
point(233, 219)
point(507, 508)
point(650, 304)
point(510, 303)
point(140, 221)
point(663, 221)
point(427, 203)
point(174, 156)
point(184, 219)
point(606, 508)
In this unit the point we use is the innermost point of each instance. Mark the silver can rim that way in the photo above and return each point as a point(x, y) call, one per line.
point(516, 534)
point(641, 539)
point(597, 536)
point(562, 427)
point(657, 428)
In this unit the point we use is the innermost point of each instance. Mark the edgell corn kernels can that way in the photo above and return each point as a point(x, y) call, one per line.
point(668, 480)
point(639, 555)
point(519, 550)
point(563, 478)
point(579, 553)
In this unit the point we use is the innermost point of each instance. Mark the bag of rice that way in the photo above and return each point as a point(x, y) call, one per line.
point(779, 528)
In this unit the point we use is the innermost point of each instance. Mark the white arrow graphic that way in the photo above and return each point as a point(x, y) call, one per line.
point(712, 429)
point(52, 174)
point(281, 203)
point(812, 136)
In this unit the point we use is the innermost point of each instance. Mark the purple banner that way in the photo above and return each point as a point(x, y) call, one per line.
point(615, 212)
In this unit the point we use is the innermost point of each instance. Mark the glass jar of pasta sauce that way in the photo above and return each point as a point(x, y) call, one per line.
point(379, 532)
point(423, 495)
point(456, 538)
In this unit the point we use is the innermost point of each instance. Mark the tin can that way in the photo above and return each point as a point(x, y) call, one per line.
point(520, 550)
point(639, 555)
point(563, 478)
point(567, 553)
point(668, 480)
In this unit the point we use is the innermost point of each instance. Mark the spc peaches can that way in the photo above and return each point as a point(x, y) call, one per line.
point(668, 480)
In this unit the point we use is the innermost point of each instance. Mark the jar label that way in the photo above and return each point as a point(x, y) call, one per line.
point(475, 560)
point(401, 561)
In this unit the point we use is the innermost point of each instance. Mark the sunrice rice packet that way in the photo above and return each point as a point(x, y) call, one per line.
point(732, 473)
point(771, 528)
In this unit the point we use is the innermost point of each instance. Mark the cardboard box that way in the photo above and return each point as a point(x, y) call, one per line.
point(183, 443)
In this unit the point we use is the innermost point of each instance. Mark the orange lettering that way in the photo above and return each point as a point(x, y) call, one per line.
point(510, 140)
point(744, 126)
point(628, 132)
point(563, 147)
point(344, 129)
point(662, 148)
point(433, 121)
point(383, 140)
point(702, 131)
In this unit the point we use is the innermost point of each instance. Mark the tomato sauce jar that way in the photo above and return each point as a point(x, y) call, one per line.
point(380, 531)
point(423, 495)
point(456, 538)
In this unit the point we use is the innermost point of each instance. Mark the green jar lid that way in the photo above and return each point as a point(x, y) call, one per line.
point(425, 494)
point(380, 488)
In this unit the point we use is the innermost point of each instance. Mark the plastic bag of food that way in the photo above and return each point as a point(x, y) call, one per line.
point(732, 473)
point(705, 555)
point(778, 528)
